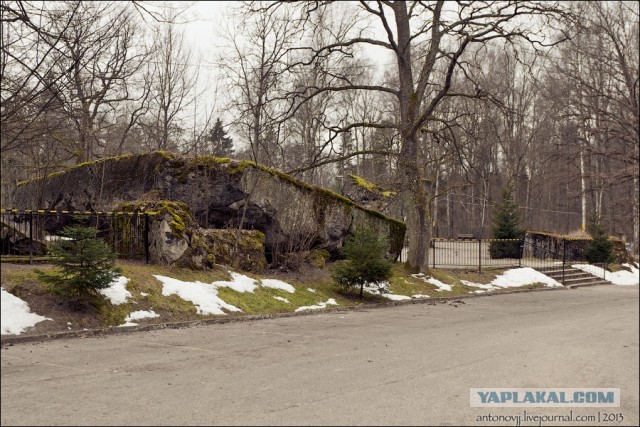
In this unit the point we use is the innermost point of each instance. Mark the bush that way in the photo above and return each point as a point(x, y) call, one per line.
point(600, 248)
point(84, 266)
point(366, 262)
point(506, 225)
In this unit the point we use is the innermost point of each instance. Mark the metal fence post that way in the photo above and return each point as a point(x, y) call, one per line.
point(479, 255)
point(433, 252)
point(146, 237)
point(30, 237)
point(521, 244)
point(564, 258)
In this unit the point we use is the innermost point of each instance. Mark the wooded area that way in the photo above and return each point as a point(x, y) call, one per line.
point(441, 103)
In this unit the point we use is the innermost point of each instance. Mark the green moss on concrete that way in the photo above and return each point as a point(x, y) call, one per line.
point(95, 162)
point(217, 247)
point(317, 257)
point(180, 213)
point(361, 182)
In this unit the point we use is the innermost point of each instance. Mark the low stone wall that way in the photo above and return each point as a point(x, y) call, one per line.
point(543, 245)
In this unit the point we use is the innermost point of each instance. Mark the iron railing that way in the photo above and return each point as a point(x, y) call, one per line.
point(502, 253)
point(472, 253)
point(27, 233)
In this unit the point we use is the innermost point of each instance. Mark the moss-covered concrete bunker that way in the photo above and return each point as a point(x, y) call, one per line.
point(219, 193)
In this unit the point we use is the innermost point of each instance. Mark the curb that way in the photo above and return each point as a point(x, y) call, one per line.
point(589, 285)
point(114, 330)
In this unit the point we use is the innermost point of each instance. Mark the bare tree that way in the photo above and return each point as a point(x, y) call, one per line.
point(426, 42)
point(66, 70)
point(172, 89)
point(255, 64)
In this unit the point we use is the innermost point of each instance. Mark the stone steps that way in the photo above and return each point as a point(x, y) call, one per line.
point(573, 277)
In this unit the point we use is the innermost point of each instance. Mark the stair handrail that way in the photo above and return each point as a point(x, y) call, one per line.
point(582, 246)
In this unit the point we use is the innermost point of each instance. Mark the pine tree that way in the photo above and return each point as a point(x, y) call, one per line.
point(506, 225)
point(366, 262)
point(600, 249)
point(84, 264)
point(221, 143)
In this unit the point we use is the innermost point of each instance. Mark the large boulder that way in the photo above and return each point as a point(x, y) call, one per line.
point(221, 193)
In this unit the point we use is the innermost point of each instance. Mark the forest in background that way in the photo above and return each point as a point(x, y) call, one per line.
point(460, 99)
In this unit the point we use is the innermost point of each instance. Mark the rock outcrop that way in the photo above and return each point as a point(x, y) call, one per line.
point(220, 193)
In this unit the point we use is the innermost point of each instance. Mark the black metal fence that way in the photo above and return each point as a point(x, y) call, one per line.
point(502, 253)
point(26, 234)
point(473, 253)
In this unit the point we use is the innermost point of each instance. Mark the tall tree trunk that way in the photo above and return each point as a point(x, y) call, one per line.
point(583, 192)
point(414, 201)
point(636, 213)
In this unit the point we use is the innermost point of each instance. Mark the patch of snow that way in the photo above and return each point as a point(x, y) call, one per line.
point(621, 278)
point(16, 316)
point(320, 305)
point(137, 315)
point(240, 283)
point(117, 293)
point(143, 294)
point(513, 278)
point(128, 324)
point(476, 285)
point(420, 296)
point(141, 314)
point(278, 284)
point(312, 290)
point(517, 277)
point(282, 299)
point(394, 297)
point(441, 286)
point(377, 288)
point(204, 296)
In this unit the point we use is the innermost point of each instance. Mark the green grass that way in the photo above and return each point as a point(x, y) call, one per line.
point(146, 291)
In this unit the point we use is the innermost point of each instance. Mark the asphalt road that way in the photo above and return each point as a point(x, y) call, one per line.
point(407, 365)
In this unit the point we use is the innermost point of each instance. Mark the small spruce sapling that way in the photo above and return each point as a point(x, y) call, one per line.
point(600, 248)
point(506, 225)
point(365, 263)
point(85, 265)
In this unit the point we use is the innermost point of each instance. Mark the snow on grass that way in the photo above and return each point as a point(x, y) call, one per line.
point(477, 285)
point(137, 315)
point(16, 315)
point(312, 290)
point(395, 297)
point(117, 293)
point(203, 295)
point(319, 306)
point(420, 296)
point(441, 286)
point(277, 284)
point(514, 278)
point(517, 277)
point(376, 288)
point(240, 283)
point(621, 278)
point(382, 289)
